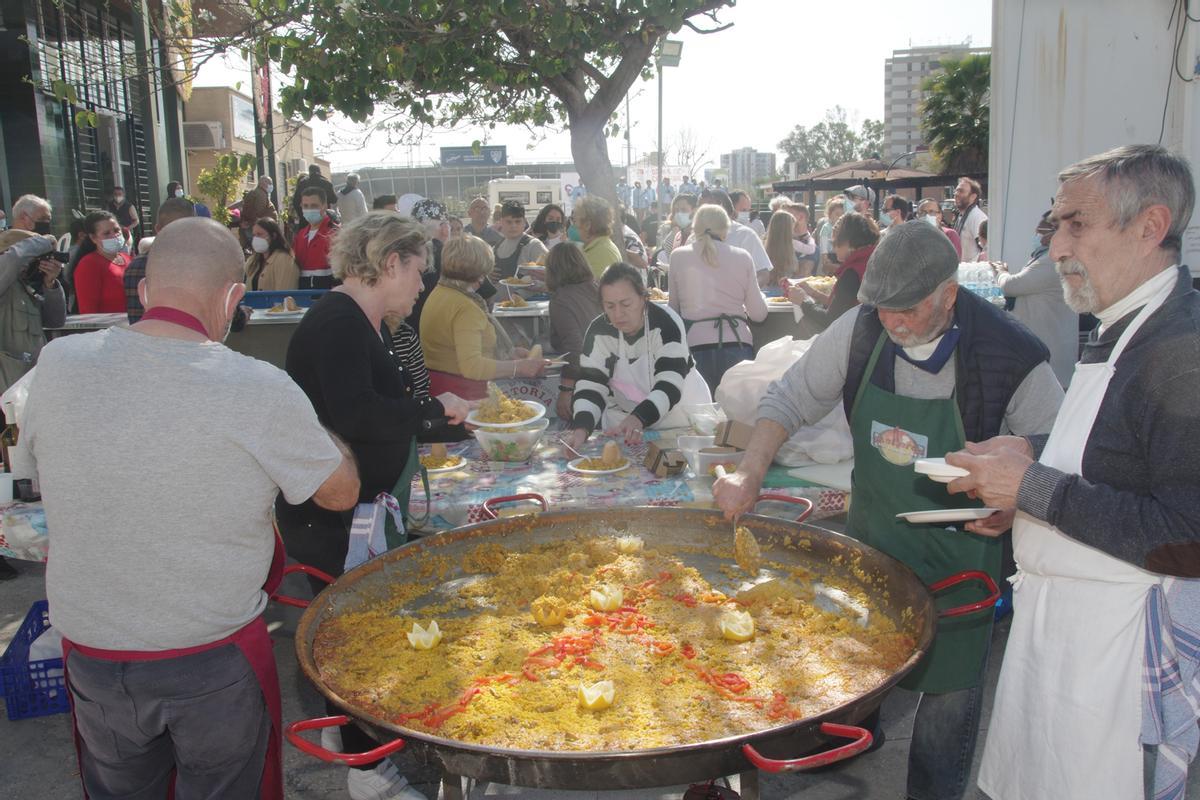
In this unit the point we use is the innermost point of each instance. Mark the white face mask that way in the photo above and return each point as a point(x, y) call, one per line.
point(743, 217)
point(259, 245)
point(113, 245)
point(683, 219)
point(229, 321)
point(179, 192)
point(932, 220)
point(118, 198)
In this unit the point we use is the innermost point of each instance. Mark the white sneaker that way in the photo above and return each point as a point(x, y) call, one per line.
point(382, 783)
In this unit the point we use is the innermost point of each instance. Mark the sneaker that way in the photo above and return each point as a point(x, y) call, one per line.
point(384, 782)
point(7, 571)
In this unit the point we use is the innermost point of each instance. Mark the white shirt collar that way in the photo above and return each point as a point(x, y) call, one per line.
point(1138, 297)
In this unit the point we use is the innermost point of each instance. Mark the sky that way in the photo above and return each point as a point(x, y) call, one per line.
point(782, 64)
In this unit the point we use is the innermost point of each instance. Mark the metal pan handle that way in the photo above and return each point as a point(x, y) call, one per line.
point(787, 498)
point(307, 570)
point(963, 577)
point(351, 759)
point(862, 740)
point(489, 505)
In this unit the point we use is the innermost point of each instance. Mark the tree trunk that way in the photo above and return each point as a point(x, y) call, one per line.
point(589, 148)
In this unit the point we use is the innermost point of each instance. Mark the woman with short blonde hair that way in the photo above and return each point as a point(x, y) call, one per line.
point(714, 288)
point(361, 249)
point(593, 219)
point(465, 347)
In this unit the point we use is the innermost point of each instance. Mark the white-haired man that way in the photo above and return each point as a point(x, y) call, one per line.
point(1098, 694)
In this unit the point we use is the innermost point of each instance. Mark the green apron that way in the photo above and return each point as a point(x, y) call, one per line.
point(402, 491)
point(890, 432)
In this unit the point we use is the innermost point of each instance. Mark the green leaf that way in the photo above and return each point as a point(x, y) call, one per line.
point(81, 119)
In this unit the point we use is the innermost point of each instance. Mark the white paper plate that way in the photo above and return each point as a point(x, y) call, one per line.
point(298, 312)
point(516, 284)
point(535, 405)
point(573, 465)
point(946, 515)
point(462, 464)
point(937, 469)
point(532, 305)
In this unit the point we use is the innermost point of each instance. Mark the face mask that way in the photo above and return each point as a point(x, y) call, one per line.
point(573, 234)
point(313, 216)
point(743, 217)
point(932, 219)
point(683, 219)
point(112, 245)
point(3, 224)
point(179, 192)
point(553, 227)
point(118, 198)
point(269, 188)
point(42, 226)
point(259, 245)
point(229, 323)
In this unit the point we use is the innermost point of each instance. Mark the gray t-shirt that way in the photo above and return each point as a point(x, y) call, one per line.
point(159, 461)
point(530, 253)
point(812, 387)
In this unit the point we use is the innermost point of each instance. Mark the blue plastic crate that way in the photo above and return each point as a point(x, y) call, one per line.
point(32, 688)
point(303, 297)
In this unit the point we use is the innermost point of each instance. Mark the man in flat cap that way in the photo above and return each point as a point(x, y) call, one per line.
point(920, 368)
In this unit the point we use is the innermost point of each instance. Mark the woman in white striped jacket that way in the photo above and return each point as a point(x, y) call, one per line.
point(635, 371)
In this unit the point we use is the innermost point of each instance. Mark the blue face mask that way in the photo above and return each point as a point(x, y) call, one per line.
point(1036, 244)
point(573, 234)
point(313, 216)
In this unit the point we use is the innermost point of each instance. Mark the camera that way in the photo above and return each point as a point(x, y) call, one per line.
point(33, 273)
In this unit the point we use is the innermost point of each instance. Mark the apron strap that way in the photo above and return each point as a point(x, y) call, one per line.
point(866, 378)
point(718, 323)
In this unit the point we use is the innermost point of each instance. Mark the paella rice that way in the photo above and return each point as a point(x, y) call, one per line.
point(501, 678)
point(499, 408)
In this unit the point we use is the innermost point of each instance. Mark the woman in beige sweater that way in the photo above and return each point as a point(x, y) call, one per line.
point(271, 267)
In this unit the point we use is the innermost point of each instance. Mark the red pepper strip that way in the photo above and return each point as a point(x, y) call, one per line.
point(529, 674)
point(541, 651)
point(687, 651)
point(732, 681)
point(628, 609)
point(686, 599)
point(587, 662)
point(663, 577)
point(424, 712)
point(593, 620)
point(662, 648)
point(667, 681)
point(537, 661)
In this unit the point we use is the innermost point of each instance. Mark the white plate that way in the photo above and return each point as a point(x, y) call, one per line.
point(536, 406)
point(530, 268)
point(937, 469)
point(532, 305)
point(298, 312)
point(462, 464)
point(555, 363)
point(573, 465)
point(516, 284)
point(947, 515)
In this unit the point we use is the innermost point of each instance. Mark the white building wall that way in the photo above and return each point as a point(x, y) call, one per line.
point(1071, 78)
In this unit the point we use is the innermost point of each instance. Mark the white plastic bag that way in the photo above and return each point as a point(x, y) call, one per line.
point(745, 384)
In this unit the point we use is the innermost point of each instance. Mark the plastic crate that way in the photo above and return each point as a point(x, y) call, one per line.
point(32, 688)
point(303, 297)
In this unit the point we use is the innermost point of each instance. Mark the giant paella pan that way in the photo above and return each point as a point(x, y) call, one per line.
point(618, 649)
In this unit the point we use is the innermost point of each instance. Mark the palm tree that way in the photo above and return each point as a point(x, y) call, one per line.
point(954, 113)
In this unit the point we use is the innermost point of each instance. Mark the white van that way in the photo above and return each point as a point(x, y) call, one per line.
point(533, 193)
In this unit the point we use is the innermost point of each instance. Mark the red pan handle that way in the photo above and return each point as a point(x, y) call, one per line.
point(787, 498)
point(490, 504)
point(351, 759)
point(963, 577)
point(307, 570)
point(862, 740)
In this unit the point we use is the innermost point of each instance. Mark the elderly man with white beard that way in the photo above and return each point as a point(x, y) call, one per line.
point(1098, 695)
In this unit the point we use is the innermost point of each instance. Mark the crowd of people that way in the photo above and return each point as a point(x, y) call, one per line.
point(1097, 484)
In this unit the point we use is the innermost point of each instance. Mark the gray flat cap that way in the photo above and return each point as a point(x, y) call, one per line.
point(909, 263)
point(861, 192)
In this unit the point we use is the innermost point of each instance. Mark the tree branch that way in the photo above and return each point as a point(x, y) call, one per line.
point(718, 29)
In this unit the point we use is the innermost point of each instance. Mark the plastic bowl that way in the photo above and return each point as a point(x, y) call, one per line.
point(701, 463)
point(705, 417)
point(511, 444)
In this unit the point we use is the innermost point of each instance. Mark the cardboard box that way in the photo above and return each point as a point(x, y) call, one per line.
point(732, 433)
point(662, 461)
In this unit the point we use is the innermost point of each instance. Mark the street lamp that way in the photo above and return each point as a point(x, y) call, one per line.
point(669, 53)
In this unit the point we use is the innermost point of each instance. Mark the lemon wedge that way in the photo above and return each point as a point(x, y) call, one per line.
point(737, 626)
point(424, 638)
point(607, 598)
point(628, 545)
point(548, 611)
point(597, 696)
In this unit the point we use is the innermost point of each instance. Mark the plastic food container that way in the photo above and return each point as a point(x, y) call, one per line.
point(702, 462)
point(511, 444)
point(705, 417)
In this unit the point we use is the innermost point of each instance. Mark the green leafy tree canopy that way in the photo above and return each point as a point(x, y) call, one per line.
point(447, 62)
point(220, 184)
point(955, 113)
point(832, 141)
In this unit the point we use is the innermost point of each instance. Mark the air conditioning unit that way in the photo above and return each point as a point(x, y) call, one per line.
point(297, 166)
point(203, 136)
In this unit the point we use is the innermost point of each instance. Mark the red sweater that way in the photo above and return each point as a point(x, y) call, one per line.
point(311, 255)
point(99, 284)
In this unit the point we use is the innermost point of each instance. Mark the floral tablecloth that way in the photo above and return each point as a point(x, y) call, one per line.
point(456, 498)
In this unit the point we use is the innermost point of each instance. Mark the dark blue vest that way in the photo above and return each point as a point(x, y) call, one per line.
point(995, 352)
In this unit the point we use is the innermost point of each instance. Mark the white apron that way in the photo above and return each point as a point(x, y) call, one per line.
point(632, 381)
point(1068, 712)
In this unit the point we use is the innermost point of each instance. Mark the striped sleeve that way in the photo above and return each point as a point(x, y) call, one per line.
point(595, 362)
point(672, 361)
point(407, 347)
